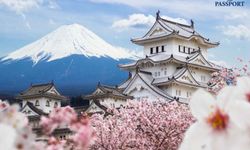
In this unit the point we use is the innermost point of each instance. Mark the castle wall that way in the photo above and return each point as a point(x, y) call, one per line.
point(112, 102)
point(179, 91)
point(201, 75)
point(161, 70)
point(42, 103)
point(171, 46)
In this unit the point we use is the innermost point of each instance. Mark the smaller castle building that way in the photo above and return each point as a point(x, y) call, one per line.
point(39, 100)
point(106, 97)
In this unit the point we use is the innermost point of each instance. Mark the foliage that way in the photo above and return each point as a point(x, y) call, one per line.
point(142, 125)
point(220, 79)
point(227, 76)
point(20, 136)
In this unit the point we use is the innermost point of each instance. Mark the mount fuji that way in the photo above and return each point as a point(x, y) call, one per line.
point(72, 56)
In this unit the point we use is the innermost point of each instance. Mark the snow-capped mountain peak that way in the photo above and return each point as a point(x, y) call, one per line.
point(68, 40)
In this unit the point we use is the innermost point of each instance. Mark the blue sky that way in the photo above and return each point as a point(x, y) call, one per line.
point(117, 21)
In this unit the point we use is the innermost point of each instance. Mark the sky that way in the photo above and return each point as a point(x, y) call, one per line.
point(117, 21)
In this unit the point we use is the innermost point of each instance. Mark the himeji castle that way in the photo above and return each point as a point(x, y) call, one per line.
point(174, 65)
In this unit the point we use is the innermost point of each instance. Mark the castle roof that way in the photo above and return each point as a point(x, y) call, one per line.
point(147, 79)
point(182, 76)
point(41, 90)
point(36, 110)
point(164, 28)
point(196, 60)
point(104, 91)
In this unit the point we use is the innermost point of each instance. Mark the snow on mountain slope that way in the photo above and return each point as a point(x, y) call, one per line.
point(68, 40)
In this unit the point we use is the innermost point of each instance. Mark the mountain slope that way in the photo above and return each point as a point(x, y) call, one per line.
point(69, 40)
point(73, 57)
point(73, 75)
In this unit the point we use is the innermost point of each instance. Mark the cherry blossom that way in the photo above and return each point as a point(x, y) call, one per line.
point(16, 134)
point(243, 91)
point(221, 79)
point(55, 144)
point(227, 76)
point(7, 137)
point(244, 69)
point(219, 122)
point(3, 105)
point(78, 124)
point(16, 124)
point(142, 125)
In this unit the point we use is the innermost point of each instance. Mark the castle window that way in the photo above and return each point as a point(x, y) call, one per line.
point(203, 78)
point(193, 72)
point(178, 92)
point(159, 73)
point(151, 50)
point(187, 50)
point(55, 105)
point(189, 94)
point(162, 48)
point(37, 103)
point(155, 74)
point(47, 103)
point(165, 71)
point(157, 49)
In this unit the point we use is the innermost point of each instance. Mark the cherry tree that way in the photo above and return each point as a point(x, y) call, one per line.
point(142, 125)
point(244, 69)
point(220, 79)
point(15, 131)
point(78, 124)
point(20, 136)
point(227, 76)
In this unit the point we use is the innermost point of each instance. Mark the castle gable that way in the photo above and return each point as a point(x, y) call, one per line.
point(186, 77)
point(94, 107)
point(142, 83)
point(199, 59)
point(98, 91)
point(30, 110)
point(53, 90)
point(157, 30)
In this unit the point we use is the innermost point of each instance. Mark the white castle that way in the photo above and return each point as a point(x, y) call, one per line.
point(175, 64)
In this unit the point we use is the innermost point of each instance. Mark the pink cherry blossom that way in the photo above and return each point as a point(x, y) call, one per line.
point(142, 125)
point(78, 124)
